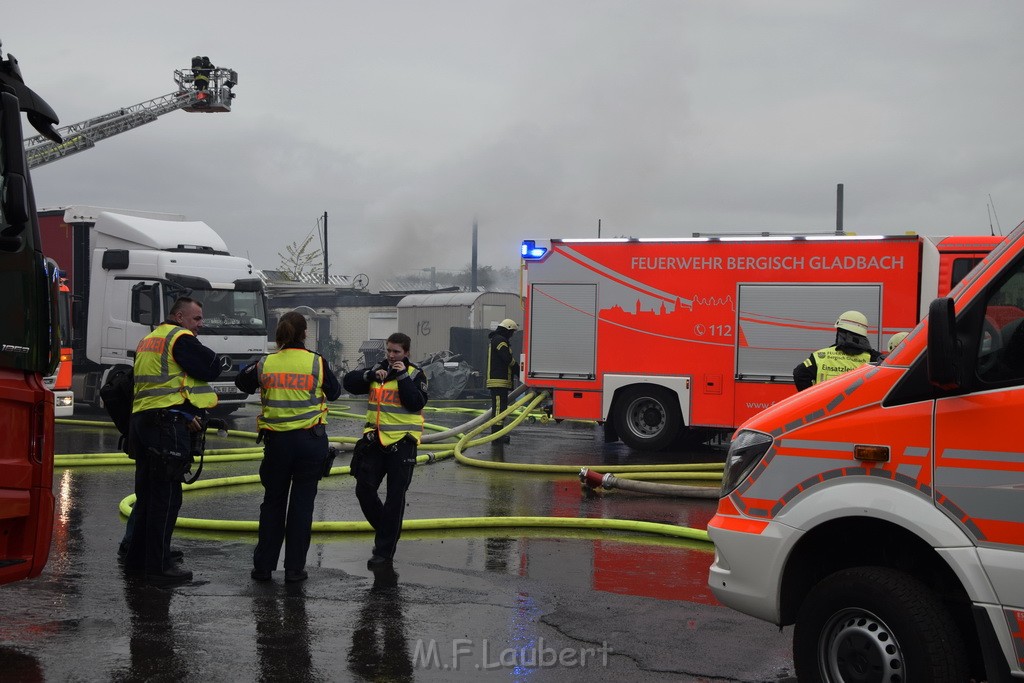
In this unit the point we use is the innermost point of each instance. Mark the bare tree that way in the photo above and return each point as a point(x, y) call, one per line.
point(484, 277)
point(301, 260)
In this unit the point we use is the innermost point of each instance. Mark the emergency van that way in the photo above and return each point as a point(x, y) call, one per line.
point(882, 512)
point(667, 338)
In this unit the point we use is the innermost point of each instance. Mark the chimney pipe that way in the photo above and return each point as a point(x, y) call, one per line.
point(839, 209)
point(472, 266)
point(327, 276)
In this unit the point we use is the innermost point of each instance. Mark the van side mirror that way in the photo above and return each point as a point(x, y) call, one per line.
point(943, 366)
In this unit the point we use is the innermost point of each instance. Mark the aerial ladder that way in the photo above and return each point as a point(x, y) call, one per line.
point(200, 89)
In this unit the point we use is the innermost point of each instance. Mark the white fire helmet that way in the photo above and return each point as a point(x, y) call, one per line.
point(509, 324)
point(853, 321)
point(895, 339)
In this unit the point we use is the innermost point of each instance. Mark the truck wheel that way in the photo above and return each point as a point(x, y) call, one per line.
point(647, 418)
point(876, 624)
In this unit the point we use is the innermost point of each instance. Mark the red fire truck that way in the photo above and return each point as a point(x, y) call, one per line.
point(29, 344)
point(663, 339)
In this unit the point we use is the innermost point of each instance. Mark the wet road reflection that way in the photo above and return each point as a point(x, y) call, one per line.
point(157, 650)
point(380, 645)
point(283, 637)
point(20, 666)
point(505, 598)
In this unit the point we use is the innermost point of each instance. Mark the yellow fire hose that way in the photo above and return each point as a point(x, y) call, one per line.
point(437, 451)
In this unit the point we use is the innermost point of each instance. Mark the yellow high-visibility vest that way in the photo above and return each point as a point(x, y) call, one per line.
point(386, 416)
point(159, 381)
point(291, 390)
point(832, 362)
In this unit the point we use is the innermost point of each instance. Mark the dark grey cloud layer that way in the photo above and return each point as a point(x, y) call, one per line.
point(407, 120)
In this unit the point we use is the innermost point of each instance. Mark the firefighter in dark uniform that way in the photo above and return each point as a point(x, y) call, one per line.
point(501, 369)
point(394, 425)
point(295, 385)
point(171, 398)
point(850, 351)
point(202, 67)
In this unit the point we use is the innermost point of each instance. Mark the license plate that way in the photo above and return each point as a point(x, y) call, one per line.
point(225, 389)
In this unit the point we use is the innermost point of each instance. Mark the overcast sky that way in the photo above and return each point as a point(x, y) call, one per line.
point(406, 120)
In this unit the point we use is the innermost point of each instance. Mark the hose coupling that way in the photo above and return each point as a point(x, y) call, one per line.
point(594, 480)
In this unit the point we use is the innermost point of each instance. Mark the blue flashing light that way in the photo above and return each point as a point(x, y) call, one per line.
point(531, 251)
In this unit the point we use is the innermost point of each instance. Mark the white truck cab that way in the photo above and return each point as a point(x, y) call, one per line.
point(139, 265)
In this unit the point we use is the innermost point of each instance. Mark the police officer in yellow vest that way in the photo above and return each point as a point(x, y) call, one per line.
point(394, 424)
point(850, 351)
point(295, 385)
point(172, 369)
point(501, 369)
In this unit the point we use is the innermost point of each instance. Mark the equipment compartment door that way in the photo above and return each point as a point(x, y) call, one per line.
point(563, 331)
point(780, 324)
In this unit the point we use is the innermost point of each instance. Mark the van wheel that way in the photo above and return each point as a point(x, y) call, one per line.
point(876, 624)
point(647, 418)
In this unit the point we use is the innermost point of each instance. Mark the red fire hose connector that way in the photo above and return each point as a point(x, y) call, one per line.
point(595, 480)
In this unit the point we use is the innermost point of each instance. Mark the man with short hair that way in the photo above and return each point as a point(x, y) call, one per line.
point(172, 394)
point(397, 392)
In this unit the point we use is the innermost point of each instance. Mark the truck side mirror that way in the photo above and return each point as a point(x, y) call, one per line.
point(145, 304)
point(15, 171)
point(943, 368)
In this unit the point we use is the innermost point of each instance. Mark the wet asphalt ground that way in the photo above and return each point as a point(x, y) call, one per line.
point(479, 604)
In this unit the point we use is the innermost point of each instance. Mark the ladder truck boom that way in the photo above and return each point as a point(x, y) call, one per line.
point(212, 98)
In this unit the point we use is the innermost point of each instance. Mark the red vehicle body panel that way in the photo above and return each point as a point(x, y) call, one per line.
point(26, 496)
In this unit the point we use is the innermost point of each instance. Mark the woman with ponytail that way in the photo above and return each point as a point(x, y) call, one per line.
point(295, 385)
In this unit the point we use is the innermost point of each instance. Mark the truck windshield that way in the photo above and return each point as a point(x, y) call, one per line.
point(227, 311)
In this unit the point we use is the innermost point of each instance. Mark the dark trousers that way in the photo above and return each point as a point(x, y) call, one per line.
point(292, 464)
point(385, 517)
point(499, 402)
point(157, 491)
point(129, 527)
point(129, 531)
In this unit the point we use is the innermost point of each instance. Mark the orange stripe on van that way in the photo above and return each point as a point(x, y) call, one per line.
point(740, 524)
point(999, 531)
point(726, 506)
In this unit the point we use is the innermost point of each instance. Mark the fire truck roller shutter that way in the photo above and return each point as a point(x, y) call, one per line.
point(646, 417)
point(782, 323)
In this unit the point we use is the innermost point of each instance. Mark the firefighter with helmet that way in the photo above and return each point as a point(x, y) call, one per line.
point(501, 369)
point(896, 339)
point(850, 351)
point(202, 67)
